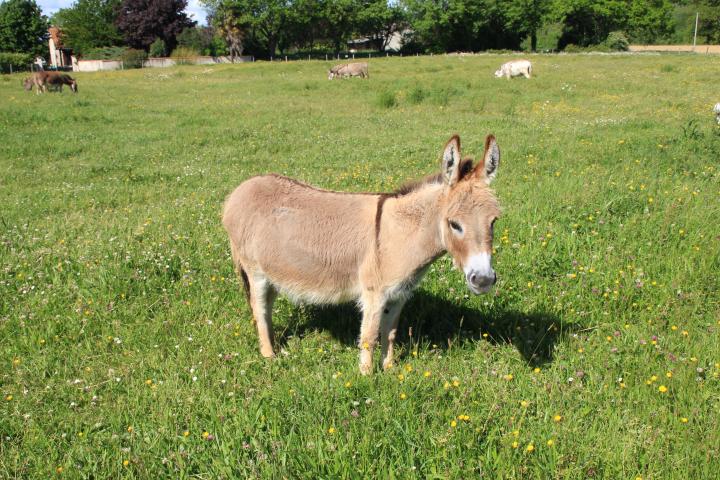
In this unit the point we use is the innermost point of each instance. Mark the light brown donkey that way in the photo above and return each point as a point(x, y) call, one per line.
point(329, 247)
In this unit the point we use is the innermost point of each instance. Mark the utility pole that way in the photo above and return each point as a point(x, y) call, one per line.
point(697, 17)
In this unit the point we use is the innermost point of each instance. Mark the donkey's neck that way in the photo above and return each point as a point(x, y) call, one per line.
point(409, 236)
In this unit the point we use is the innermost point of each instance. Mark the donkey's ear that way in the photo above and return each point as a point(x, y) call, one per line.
point(450, 168)
point(491, 160)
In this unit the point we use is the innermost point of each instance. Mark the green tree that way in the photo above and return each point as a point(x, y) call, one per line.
point(89, 24)
point(378, 21)
point(468, 25)
point(23, 27)
point(528, 17)
point(338, 19)
point(262, 21)
point(709, 24)
point(589, 22)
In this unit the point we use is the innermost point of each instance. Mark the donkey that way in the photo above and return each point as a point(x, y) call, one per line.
point(41, 81)
point(514, 68)
point(326, 247)
point(349, 70)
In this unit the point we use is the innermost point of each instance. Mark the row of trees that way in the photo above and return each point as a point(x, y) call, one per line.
point(267, 27)
point(451, 25)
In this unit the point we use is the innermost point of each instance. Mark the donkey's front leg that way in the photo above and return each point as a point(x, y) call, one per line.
point(372, 307)
point(388, 330)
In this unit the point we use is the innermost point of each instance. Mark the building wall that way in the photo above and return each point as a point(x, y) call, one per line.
point(96, 65)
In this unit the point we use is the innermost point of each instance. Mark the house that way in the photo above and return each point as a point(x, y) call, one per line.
point(60, 57)
point(394, 43)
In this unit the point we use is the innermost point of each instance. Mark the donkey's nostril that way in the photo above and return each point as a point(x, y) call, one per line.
point(494, 278)
point(473, 279)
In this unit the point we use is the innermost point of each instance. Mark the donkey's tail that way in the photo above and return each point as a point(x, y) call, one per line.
point(246, 283)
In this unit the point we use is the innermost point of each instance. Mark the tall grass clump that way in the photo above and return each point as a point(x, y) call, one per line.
point(386, 99)
point(416, 95)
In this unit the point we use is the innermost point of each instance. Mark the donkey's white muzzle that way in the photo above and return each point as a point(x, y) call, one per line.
point(479, 274)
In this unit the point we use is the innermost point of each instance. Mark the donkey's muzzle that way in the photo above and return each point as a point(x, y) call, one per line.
point(480, 283)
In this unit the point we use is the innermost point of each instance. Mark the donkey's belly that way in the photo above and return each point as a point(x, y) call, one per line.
point(313, 285)
point(299, 294)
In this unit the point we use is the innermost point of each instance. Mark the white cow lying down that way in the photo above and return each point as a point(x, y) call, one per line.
point(716, 110)
point(515, 68)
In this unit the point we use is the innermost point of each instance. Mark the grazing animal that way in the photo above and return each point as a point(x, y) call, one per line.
point(349, 70)
point(514, 68)
point(716, 110)
point(327, 247)
point(42, 80)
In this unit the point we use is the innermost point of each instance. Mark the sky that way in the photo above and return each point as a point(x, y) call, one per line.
point(194, 9)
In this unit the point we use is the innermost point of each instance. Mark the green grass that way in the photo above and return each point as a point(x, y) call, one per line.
point(124, 335)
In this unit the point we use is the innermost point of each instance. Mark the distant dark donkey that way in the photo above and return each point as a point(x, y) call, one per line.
point(41, 80)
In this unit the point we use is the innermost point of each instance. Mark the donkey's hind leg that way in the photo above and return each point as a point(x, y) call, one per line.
point(262, 297)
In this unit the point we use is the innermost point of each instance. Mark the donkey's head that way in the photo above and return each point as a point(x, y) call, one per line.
point(468, 211)
point(73, 86)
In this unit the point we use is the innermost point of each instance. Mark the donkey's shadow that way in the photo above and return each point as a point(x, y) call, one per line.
point(441, 323)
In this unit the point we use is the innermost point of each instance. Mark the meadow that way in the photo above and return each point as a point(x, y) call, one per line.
point(127, 349)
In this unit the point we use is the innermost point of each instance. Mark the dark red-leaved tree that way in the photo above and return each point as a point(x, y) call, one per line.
point(142, 21)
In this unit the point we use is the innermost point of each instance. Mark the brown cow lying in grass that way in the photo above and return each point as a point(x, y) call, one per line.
point(41, 81)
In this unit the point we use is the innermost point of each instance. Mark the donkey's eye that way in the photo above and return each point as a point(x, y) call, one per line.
point(492, 224)
point(455, 226)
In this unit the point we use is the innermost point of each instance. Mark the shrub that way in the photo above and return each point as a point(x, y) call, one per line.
point(182, 54)
point(104, 53)
point(617, 41)
point(572, 48)
point(14, 61)
point(133, 58)
point(217, 48)
point(158, 48)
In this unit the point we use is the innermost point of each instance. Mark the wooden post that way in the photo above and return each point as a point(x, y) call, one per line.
point(697, 17)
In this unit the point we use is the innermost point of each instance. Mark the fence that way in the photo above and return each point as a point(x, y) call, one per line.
point(160, 62)
point(705, 49)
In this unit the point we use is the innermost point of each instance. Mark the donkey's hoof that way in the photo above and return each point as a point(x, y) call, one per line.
point(388, 365)
point(267, 353)
point(365, 369)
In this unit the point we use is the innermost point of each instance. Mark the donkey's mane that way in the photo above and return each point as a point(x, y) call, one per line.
point(409, 187)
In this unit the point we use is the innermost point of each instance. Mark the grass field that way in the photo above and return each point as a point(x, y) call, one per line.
point(127, 349)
